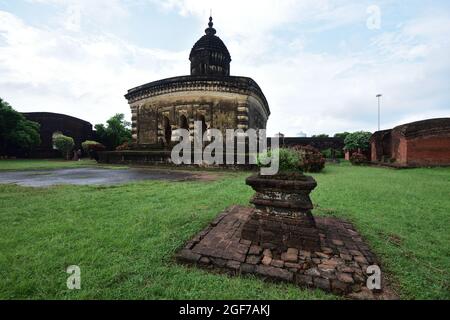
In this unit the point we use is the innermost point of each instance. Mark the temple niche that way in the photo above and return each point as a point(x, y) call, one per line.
point(209, 94)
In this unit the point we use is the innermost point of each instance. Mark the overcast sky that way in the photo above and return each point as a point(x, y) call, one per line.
point(320, 63)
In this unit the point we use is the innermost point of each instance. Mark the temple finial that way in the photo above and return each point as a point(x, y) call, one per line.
point(210, 30)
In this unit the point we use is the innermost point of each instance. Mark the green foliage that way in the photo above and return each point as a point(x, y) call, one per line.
point(289, 159)
point(358, 159)
point(311, 159)
point(116, 132)
point(331, 153)
point(64, 144)
point(17, 134)
point(92, 147)
point(358, 140)
point(341, 135)
point(89, 145)
point(321, 135)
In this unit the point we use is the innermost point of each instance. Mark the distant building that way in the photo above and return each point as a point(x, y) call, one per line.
point(301, 134)
point(50, 123)
point(421, 143)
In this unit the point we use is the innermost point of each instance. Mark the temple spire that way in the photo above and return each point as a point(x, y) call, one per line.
point(210, 30)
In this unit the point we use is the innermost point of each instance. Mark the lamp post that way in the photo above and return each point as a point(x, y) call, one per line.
point(379, 98)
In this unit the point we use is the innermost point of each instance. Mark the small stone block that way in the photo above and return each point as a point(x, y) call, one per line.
point(345, 277)
point(322, 255)
point(322, 283)
point(254, 249)
point(186, 255)
point(338, 242)
point(312, 272)
point(276, 273)
point(267, 253)
point(233, 264)
point(253, 259)
point(291, 255)
point(247, 268)
point(277, 263)
point(338, 287)
point(204, 261)
point(346, 257)
point(327, 250)
point(303, 253)
point(266, 260)
point(304, 280)
point(361, 260)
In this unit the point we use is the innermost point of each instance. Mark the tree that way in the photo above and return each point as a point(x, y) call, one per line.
point(322, 135)
point(17, 134)
point(116, 132)
point(64, 144)
point(92, 148)
point(359, 140)
point(341, 135)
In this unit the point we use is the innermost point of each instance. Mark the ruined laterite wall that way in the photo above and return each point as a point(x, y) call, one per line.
point(421, 143)
point(50, 123)
point(432, 150)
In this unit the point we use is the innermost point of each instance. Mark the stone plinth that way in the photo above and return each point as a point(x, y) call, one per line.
point(339, 266)
point(282, 215)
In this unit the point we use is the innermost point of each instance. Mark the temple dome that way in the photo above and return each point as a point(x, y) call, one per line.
point(209, 55)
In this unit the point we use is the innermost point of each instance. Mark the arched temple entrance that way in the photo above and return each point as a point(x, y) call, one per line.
point(167, 130)
point(183, 123)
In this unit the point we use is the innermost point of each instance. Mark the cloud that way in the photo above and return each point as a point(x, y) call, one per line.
point(76, 13)
point(79, 66)
point(82, 75)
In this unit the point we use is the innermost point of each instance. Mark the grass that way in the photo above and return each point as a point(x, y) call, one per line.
point(45, 164)
point(124, 237)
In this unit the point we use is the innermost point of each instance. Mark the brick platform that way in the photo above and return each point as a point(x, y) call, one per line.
point(339, 267)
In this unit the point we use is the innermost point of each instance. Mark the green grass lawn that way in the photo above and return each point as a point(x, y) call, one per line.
point(124, 237)
point(46, 164)
point(30, 164)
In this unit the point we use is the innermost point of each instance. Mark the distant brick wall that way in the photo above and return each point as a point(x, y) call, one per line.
point(421, 143)
point(318, 143)
point(78, 129)
point(429, 151)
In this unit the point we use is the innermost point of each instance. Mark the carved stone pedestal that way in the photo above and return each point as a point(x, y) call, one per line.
point(282, 215)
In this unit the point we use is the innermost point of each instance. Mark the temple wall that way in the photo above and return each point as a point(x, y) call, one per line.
point(221, 110)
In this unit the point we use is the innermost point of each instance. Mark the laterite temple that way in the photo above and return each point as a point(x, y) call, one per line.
point(209, 94)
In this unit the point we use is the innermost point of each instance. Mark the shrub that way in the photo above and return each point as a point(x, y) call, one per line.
point(331, 153)
point(92, 147)
point(358, 159)
point(311, 160)
point(289, 160)
point(64, 144)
